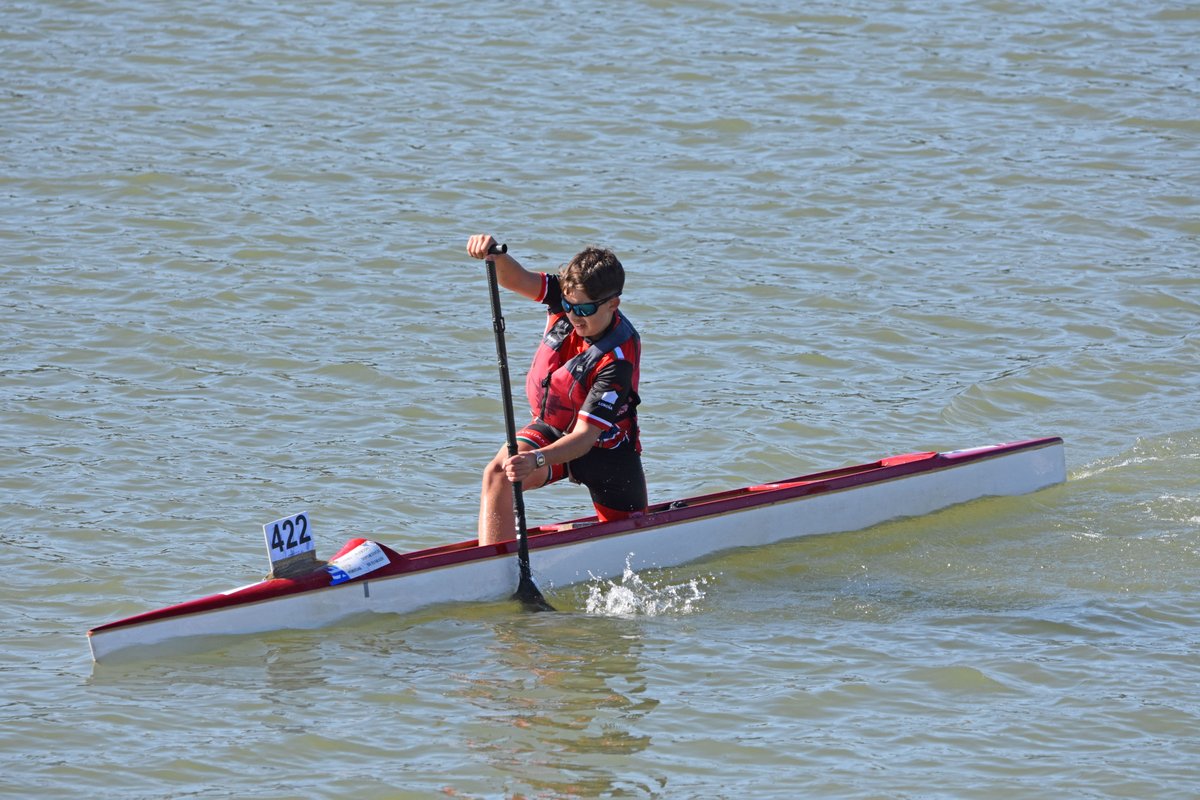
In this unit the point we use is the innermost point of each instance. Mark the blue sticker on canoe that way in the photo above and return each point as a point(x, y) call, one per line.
point(339, 575)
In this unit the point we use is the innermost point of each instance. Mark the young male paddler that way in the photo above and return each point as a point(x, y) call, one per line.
point(582, 390)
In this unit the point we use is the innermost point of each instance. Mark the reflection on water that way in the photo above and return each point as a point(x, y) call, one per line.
point(561, 708)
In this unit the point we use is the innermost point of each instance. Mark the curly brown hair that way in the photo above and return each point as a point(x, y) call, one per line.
point(595, 271)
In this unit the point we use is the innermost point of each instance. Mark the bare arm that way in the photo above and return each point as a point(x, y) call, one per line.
point(574, 445)
point(509, 272)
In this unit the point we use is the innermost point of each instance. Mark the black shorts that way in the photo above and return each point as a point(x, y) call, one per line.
point(613, 476)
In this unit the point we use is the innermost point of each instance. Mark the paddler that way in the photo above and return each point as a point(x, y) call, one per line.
point(582, 391)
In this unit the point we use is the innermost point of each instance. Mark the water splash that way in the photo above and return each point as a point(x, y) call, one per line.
point(632, 595)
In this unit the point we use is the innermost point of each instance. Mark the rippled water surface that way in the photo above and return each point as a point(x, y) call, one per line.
point(233, 286)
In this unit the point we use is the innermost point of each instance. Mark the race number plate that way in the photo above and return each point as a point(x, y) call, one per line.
point(288, 537)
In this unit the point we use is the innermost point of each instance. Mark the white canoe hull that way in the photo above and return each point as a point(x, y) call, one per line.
point(561, 555)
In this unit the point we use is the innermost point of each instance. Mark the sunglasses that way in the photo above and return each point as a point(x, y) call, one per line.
point(585, 309)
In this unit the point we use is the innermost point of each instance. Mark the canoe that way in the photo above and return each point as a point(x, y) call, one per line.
point(368, 577)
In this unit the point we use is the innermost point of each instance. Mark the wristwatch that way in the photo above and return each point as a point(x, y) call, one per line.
point(538, 458)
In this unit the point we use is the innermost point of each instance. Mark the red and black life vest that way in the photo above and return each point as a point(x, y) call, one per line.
point(558, 388)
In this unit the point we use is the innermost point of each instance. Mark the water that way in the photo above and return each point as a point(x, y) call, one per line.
point(234, 287)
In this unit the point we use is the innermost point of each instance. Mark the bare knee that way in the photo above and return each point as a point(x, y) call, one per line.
point(493, 473)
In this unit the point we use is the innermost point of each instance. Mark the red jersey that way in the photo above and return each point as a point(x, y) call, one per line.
point(573, 378)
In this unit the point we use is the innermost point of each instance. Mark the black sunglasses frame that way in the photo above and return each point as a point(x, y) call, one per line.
point(592, 306)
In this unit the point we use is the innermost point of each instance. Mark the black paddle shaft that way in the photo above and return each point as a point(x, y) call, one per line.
point(527, 591)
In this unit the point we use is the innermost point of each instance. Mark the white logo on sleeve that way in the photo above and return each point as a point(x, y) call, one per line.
point(608, 400)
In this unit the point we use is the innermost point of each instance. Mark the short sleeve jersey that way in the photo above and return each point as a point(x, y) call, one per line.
point(608, 396)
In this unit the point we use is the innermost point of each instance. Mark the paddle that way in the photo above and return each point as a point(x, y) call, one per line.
point(527, 592)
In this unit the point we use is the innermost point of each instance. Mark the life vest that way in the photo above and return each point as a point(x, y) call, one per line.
point(557, 387)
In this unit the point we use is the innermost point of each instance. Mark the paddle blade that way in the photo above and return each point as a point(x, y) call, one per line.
point(530, 596)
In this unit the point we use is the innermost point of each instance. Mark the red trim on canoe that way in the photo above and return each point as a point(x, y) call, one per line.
point(589, 528)
point(347, 547)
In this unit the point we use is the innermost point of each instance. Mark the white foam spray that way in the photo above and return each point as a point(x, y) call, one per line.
point(632, 595)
